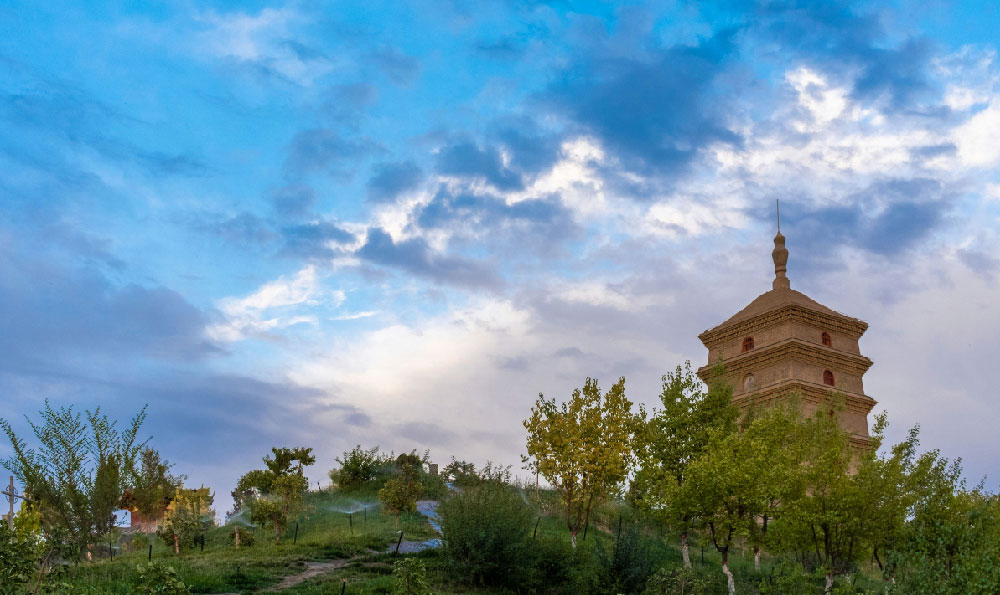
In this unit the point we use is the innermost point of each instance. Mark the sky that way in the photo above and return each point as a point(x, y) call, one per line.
point(395, 223)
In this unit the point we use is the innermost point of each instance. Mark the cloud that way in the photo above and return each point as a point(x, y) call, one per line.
point(317, 239)
point(323, 149)
point(60, 310)
point(274, 305)
point(415, 256)
point(400, 68)
point(393, 178)
point(653, 112)
point(293, 201)
point(467, 159)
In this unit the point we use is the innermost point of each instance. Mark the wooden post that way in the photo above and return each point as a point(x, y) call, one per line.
point(296, 538)
point(400, 542)
point(150, 557)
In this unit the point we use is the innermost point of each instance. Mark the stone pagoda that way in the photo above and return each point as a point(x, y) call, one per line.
point(786, 345)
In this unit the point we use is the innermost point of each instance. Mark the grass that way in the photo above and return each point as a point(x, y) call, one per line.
point(325, 533)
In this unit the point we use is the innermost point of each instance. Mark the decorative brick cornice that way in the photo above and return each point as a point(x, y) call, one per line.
point(791, 349)
point(851, 327)
point(807, 392)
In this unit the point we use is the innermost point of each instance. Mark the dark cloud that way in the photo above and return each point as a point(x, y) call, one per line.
point(293, 201)
point(888, 218)
point(401, 69)
point(57, 311)
point(322, 149)
point(655, 111)
point(468, 159)
point(841, 37)
point(415, 256)
point(981, 263)
point(312, 240)
point(488, 212)
point(357, 94)
point(390, 179)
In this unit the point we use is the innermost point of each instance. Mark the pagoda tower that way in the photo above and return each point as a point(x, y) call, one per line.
point(785, 345)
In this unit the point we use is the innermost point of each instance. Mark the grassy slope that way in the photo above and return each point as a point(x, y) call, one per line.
point(324, 534)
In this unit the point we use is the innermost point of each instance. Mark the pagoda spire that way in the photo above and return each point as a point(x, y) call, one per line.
point(780, 256)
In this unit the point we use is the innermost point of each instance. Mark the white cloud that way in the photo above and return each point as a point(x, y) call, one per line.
point(272, 306)
point(978, 140)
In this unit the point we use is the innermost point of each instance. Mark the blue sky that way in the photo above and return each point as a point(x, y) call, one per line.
point(395, 223)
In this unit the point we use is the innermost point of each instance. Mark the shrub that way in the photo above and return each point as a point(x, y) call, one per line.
point(358, 467)
point(400, 495)
point(411, 577)
point(159, 579)
point(485, 532)
point(20, 553)
point(628, 565)
point(682, 581)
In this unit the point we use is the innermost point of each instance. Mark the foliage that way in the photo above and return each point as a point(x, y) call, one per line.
point(411, 577)
point(21, 552)
point(78, 474)
point(400, 494)
point(628, 565)
point(682, 581)
point(189, 516)
point(584, 447)
point(359, 466)
point(485, 531)
point(273, 495)
point(159, 580)
point(744, 478)
point(461, 474)
point(674, 437)
point(152, 486)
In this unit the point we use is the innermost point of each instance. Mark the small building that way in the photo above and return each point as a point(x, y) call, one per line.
point(785, 345)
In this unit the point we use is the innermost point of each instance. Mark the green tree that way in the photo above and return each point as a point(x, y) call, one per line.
point(359, 466)
point(584, 447)
point(274, 494)
point(673, 437)
point(189, 515)
point(743, 479)
point(153, 486)
point(76, 476)
point(411, 577)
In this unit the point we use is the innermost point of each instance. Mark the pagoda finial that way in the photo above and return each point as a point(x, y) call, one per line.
point(780, 256)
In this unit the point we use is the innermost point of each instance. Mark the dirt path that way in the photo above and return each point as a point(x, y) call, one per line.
point(313, 569)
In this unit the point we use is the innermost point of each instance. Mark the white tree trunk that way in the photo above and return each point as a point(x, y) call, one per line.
point(684, 550)
point(730, 583)
point(572, 539)
point(756, 558)
point(829, 582)
point(237, 537)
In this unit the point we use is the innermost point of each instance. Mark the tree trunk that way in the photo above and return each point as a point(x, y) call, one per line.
point(177, 544)
point(277, 533)
point(730, 583)
point(684, 549)
point(756, 558)
point(572, 538)
point(829, 582)
point(237, 537)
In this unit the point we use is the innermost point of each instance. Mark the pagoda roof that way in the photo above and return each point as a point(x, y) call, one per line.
point(777, 299)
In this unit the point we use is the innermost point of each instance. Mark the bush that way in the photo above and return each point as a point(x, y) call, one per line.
point(628, 565)
point(20, 553)
point(411, 577)
point(485, 531)
point(400, 495)
point(682, 581)
point(359, 466)
point(156, 578)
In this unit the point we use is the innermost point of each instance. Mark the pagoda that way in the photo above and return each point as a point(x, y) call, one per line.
point(784, 345)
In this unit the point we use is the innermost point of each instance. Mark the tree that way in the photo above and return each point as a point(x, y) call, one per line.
point(189, 515)
point(153, 487)
point(274, 494)
point(675, 436)
point(359, 466)
point(743, 479)
point(76, 476)
point(584, 447)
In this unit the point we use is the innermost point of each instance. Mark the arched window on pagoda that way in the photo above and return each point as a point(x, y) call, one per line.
point(828, 378)
point(748, 382)
point(747, 344)
point(827, 340)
